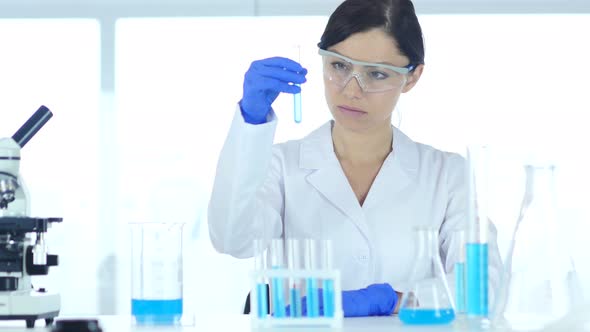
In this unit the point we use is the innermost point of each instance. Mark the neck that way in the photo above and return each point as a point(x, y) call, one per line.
point(362, 147)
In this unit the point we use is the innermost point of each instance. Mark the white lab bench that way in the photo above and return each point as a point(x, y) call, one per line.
point(239, 323)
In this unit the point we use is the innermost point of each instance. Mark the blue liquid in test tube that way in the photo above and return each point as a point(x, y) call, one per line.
point(295, 302)
point(477, 279)
point(262, 299)
point(312, 303)
point(329, 296)
point(278, 297)
point(297, 106)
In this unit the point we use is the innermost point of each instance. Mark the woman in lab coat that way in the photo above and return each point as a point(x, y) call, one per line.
point(357, 179)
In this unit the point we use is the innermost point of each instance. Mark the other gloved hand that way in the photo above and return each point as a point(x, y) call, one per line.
point(264, 81)
point(375, 300)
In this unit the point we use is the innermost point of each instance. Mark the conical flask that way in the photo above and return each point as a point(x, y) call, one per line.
point(428, 299)
point(539, 284)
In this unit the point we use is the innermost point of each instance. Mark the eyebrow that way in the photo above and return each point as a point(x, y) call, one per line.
point(379, 63)
point(401, 70)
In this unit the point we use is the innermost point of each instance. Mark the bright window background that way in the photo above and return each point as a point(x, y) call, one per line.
point(56, 63)
point(516, 81)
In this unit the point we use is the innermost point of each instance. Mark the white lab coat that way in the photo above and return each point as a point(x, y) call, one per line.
point(298, 189)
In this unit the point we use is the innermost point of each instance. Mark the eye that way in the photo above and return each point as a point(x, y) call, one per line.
point(339, 66)
point(378, 75)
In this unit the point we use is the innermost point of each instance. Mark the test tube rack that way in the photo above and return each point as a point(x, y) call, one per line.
point(284, 276)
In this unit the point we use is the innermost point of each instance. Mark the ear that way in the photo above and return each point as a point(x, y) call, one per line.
point(413, 78)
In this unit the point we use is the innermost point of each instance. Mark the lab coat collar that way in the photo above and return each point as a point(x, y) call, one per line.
point(398, 171)
point(317, 151)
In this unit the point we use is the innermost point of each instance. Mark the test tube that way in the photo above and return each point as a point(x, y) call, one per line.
point(477, 242)
point(294, 264)
point(261, 293)
point(310, 263)
point(328, 284)
point(297, 96)
point(459, 243)
point(277, 291)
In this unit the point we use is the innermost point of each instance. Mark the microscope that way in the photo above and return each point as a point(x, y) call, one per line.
point(23, 251)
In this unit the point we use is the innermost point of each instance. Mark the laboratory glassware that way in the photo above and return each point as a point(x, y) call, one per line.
point(277, 290)
point(428, 300)
point(260, 264)
point(478, 228)
point(308, 269)
point(539, 284)
point(156, 271)
point(459, 242)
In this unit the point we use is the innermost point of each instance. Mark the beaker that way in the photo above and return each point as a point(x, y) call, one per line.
point(428, 299)
point(539, 284)
point(156, 273)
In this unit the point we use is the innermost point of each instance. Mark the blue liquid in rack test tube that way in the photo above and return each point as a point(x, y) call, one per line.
point(262, 300)
point(312, 303)
point(329, 295)
point(295, 302)
point(477, 277)
point(278, 297)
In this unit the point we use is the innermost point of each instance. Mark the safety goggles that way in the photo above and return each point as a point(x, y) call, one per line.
point(372, 77)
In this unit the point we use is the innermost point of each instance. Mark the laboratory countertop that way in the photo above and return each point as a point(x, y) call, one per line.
point(238, 323)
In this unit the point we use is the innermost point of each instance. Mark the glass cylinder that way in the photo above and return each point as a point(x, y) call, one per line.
point(156, 271)
point(459, 243)
point(477, 237)
point(428, 300)
point(539, 283)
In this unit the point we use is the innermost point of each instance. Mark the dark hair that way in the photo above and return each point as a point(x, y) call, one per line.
point(396, 17)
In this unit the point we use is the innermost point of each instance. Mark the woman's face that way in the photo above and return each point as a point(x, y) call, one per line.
point(353, 108)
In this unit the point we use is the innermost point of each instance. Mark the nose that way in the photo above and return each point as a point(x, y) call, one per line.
point(353, 88)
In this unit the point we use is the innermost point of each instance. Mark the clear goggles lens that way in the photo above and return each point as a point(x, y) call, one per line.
point(371, 77)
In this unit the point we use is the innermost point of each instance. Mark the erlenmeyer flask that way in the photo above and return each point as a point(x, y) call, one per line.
point(428, 299)
point(539, 282)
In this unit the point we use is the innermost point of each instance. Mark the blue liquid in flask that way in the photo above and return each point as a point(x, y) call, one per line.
point(426, 316)
point(157, 312)
point(477, 279)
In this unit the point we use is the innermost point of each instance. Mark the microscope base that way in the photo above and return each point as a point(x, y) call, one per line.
point(29, 306)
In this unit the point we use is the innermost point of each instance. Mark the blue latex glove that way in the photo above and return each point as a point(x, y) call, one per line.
point(264, 81)
point(375, 300)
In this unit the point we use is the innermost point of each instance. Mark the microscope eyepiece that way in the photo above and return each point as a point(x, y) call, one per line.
point(32, 126)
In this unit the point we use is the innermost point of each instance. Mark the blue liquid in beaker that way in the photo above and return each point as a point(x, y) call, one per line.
point(328, 295)
point(156, 312)
point(262, 299)
point(426, 316)
point(460, 287)
point(477, 279)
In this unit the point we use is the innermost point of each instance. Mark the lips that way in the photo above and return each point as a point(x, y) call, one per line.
point(351, 110)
